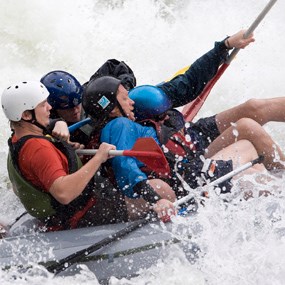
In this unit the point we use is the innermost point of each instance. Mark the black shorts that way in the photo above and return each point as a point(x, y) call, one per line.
point(198, 172)
point(110, 206)
point(107, 210)
point(221, 168)
point(203, 132)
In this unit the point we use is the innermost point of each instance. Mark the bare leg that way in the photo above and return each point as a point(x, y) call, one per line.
point(260, 110)
point(240, 153)
point(248, 129)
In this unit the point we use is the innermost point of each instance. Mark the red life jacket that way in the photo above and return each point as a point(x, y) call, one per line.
point(173, 141)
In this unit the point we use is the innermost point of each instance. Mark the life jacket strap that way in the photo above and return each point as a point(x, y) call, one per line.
point(73, 221)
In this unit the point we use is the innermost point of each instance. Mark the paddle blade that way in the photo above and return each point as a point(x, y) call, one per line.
point(155, 160)
point(191, 109)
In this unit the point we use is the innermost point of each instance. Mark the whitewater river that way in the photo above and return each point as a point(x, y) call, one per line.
point(243, 242)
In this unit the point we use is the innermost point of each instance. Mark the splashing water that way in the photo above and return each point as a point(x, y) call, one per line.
point(243, 242)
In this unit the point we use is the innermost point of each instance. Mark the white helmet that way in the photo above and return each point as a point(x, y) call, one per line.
point(21, 97)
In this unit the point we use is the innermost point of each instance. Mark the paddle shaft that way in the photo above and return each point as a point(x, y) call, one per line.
point(253, 26)
point(218, 181)
point(66, 262)
point(79, 124)
point(133, 153)
point(145, 150)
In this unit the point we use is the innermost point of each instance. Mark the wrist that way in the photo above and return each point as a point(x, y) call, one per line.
point(227, 43)
point(98, 158)
point(52, 123)
point(147, 192)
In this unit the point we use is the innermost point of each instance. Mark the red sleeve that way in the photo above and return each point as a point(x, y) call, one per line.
point(42, 163)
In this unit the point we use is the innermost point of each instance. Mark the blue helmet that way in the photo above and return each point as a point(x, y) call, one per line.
point(150, 102)
point(65, 90)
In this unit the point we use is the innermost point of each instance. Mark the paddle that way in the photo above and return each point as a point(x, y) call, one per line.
point(215, 182)
point(191, 109)
point(66, 262)
point(146, 150)
point(79, 124)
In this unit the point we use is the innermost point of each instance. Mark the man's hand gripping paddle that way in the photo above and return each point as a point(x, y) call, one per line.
point(145, 150)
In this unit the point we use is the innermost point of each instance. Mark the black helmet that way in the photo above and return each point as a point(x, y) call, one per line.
point(99, 97)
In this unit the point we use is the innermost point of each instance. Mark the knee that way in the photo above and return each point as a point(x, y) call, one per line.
point(163, 189)
point(247, 125)
point(253, 107)
point(248, 150)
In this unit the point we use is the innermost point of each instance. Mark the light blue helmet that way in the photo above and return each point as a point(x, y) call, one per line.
point(150, 102)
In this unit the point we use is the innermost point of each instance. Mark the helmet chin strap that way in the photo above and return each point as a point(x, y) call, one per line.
point(36, 123)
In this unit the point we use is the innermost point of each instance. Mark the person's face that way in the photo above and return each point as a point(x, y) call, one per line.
point(126, 103)
point(71, 115)
point(42, 112)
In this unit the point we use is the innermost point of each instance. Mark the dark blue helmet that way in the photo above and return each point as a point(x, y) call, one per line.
point(150, 102)
point(65, 90)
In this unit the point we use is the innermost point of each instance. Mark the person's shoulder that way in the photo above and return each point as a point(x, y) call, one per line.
point(38, 142)
point(37, 148)
point(118, 127)
point(120, 122)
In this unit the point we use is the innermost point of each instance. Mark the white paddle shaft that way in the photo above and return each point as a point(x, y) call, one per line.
point(94, 151)
point(253, 26)
point(220, 180)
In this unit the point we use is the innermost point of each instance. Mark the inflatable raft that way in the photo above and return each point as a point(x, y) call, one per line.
point(119, 250)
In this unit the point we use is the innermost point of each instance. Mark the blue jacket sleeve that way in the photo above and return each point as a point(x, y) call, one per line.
point(123, 133)
point(186, 87)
